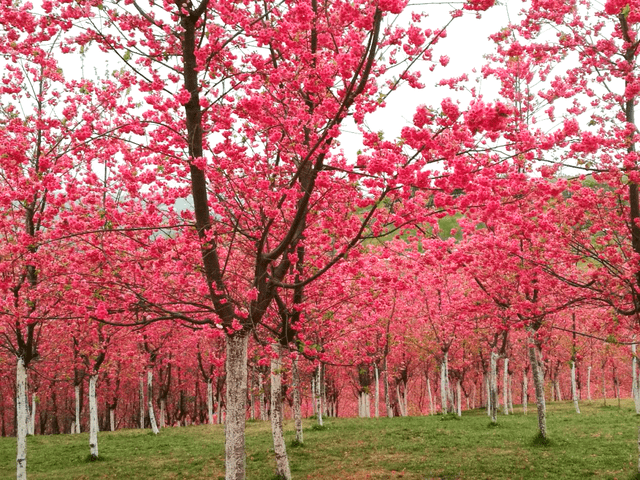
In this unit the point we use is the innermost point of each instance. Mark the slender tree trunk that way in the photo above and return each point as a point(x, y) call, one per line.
point(487, 391)
point(93, 416)
point(387, 400)
point(525, 391)
point(556, 383)
point(112, 419)
point(505, 386)
point(574, 387)
point(210, 401)
point(635, 381)
point(538, 381)
point(279, 446)
point(510, 394)
point(377, 397)
point(400, 401)
point(77, 424)
point(432, 407)
point(459, 397)
point(589, 383)
point(32, 418)
point(21, 419)
point(297, 404)
point(444, 373)
point(152, 416)
point(319, 389)
point(236, 367)
point(163, 412)
point(604, 386)
point(263, 400)
point(493, 386)
point(141, 402)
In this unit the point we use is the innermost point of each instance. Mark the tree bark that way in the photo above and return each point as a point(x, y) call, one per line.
point(210, 401)
point(538, 381)
point(263, 400)
point(163, 412)
point(589, 383)
point(279, 446)
point(93, 416)
point(112, 419)
point(459, 397)
point(574, 387)
point(32, 417)
point(493, 386)
point(21, 419)
point(236, 367)
point(141, 402)
point(377, 397)
point(505, 386)
point(77, 424)
point(319, 392)
point(444, 373)
point(297, 404)
point(432, 407)
point(525, 391)
point(635, 381)
point(387, 401)
point(152, 416)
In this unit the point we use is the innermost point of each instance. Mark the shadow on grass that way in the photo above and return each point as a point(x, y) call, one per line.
point(540, 441)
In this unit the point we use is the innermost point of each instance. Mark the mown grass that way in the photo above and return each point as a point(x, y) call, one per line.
point(601, 443)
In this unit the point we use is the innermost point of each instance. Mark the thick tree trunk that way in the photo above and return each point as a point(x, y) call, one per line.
point(93, 416)
point(77, 421)
point(444, 380)
point(21, 419)
point(377, 397)
point(505, 386)
point(538, 381)
point(141, 402)
point(152, 416)
point(297, 403)
point(236, 367)
point(493, 386)
point(210, 401)
point(279, 446)
point(574, 387)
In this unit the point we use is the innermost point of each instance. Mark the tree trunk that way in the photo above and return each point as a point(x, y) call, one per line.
point(77, 422)
point(505, 386)
point(574, 387)
point(93, 416)
point(21, 419)
point(589, 383)
point(387, 401)
point(459, 397)
point(525, 391)
point(319, 392)
point(32, 418)
point(635, 381)
point(263, 400)
point(538, 381)
point(279, 446)
point(493, 386)
point(510, 394)
point(297, 404)
point(163, 412)
point(152, 416)
point(236, 367)
point(487, 391)
point(377, 397)
point(444, 373)
point(141, 402)
point(112, 419)
point(604, 386)
point(210, 401)
point(432, 407)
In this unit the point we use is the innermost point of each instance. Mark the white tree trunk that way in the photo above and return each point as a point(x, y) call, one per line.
point(210, 401)
point(556, 383)
point(32, 418)
point(444, 373)
point(401, 403)
point(589, 383)
point(432, 407)
point(263, 400)
point(574, 387)
point(297, 403)
point(236, 367)
point(487, 391)
point(93, 416)
point(141, 402)
point(387, 400)
point(635, 381)
point(525, 391)
point(538, 380)
point(493, 386)
point(279, 446)
point(152, 416)
point(319, 392)
point(112, 419)
point(21, 420)
point(505, 386)
point(510, 394)
point(77, 422)
point(377, 397)
point(459, 397)
point(163, 412)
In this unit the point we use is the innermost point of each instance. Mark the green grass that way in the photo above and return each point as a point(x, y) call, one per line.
point(601, 443)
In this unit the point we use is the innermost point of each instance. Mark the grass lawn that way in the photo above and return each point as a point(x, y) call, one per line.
point(600, 443)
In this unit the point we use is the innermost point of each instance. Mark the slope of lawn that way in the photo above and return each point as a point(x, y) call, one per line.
point(602, 442)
